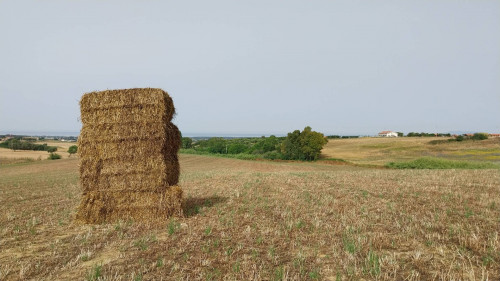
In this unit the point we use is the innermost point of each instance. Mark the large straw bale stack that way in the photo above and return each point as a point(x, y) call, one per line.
point(128, 156)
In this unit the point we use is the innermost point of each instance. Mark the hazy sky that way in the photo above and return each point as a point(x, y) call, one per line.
point(258, 67)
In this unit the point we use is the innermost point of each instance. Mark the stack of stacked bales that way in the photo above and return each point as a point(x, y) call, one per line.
point(128, 156)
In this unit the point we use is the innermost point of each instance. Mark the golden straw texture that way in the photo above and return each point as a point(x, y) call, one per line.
point(128, 156)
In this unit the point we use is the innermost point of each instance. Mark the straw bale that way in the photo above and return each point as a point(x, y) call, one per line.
point(126, 99)
point(146, 176)
point(128, 156)
point(142, 113)
point(113, 143)
point(118, 132)
point(109, 206)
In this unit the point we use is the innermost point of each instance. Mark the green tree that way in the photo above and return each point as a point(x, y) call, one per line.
point(311, 143)
point(305, 145)
point(187, 142)
point(72, 150)
point(290, 147)
point(480, 136)
point(216, 145)
point(236, 148)
point(51, 149)
point(14, 144)
point(264, 145)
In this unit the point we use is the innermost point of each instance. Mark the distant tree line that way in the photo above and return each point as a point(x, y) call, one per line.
point(341, 137)
point(414, 134)
point(476, 136)
point(297, 145)
point(19, 144)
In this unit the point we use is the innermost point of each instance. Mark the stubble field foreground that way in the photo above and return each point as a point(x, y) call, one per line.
point(255, 220)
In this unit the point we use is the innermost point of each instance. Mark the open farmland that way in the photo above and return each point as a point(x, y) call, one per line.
point(252, 220)
point(9, 156)
point(379, 151)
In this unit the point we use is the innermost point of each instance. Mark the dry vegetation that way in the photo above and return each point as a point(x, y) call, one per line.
point(247, 220)
point(379, 151)
point(9, 156)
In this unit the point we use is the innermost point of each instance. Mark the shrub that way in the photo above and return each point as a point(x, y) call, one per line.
point(216, 145)
point(52, 149)
point(72, 150)
point(244, 156)
point(187, 142)
point(239, 148)
point(236, 148)
point(459, 138)
point(4, 144)
point(480, 136)
point(272, 155)
point(54, 156)
point(264, 145)
point(18, 144)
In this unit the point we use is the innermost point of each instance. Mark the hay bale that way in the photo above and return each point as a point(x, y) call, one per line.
point(128, 156)
point(110, 206)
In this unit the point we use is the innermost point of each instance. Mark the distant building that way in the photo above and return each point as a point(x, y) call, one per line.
point(494, 135)
point(388, 134)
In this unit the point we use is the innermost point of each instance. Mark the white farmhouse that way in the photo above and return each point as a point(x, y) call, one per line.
point(388, 134)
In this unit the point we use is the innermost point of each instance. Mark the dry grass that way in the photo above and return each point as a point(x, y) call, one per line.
point(247, 220)
point(9, 155)
point(378, 151)
point(6, 154)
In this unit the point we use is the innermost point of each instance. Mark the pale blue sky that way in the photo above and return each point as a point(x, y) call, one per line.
point(258, 67)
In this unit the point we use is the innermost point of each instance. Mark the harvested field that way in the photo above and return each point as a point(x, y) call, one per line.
point(379, 151)
point(11, 156)
point(248, 220)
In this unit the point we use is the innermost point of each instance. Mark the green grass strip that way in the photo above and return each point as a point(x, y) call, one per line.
point(437, 163)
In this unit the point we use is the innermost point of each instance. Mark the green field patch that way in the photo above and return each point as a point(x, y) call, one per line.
point(477, 152)
point(437, 163)
point(492, 158)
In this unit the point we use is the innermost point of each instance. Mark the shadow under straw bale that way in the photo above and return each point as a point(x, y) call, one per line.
point(193, 205)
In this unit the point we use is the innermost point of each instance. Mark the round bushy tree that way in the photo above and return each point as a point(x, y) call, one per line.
point(305, 145)
point(72, 150)
point(311, 143)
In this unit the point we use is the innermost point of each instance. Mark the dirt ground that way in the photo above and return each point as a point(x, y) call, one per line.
point(249, 220)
